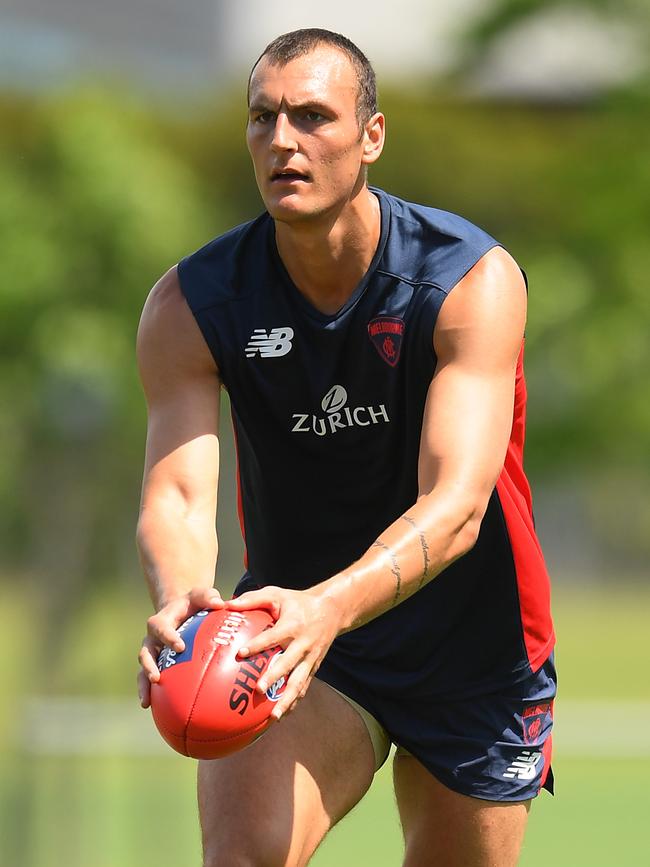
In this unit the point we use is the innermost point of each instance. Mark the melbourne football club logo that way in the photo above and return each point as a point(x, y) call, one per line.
point(386, 333)
point(534, 720)
point(270, 344)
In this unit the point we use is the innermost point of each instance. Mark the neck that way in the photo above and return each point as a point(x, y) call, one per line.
point(327, 257)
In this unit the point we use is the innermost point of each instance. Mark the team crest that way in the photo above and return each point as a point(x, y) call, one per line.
point(386, 333)
point(533, 719)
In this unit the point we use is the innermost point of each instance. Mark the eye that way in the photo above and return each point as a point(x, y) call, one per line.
point(263, 117)
point(314, 116)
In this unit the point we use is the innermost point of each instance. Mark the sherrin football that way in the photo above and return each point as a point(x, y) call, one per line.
point(205, 704)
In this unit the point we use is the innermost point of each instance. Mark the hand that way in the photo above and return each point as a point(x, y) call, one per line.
point(162, 630)
point(306, 625)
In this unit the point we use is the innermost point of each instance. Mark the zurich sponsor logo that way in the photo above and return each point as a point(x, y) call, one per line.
point(274, 692)
point(335, 398)
point(339, 416)
point(270, 344)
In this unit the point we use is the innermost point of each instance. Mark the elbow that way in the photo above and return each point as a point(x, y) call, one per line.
point(468, 534)
point(468, 528)
point(152, 533)
point(140, 536)
point(142, 540)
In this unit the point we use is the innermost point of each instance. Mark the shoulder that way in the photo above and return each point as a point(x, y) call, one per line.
point(429, 245)
point(169, 339)
point(487, 306)
point(225, 266)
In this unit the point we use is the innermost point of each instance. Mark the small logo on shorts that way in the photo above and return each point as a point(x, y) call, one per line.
point(532, 720)
point(386, 334)
point(524, 766)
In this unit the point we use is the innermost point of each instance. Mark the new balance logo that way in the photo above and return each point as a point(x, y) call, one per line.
point(524, 766)
point(277, 342)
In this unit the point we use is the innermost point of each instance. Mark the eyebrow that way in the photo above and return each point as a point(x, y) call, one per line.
point(310, 104)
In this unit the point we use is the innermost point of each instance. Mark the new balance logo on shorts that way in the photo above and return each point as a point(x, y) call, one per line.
point(275, 343)
point(524, 766)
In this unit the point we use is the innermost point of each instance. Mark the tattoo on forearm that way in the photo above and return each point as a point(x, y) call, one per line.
point(395, 569)
point(423, 545)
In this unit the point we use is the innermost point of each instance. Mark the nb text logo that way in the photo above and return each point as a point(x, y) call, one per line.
point(273, 344)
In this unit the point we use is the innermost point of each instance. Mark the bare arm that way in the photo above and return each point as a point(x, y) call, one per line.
point(176, 533)
point(465, 433)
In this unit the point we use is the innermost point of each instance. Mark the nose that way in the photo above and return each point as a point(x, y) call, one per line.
point(283, 135)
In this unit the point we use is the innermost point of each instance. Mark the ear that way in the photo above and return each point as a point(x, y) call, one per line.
point(374, 134)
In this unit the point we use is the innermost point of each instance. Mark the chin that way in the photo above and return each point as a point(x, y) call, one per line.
point(290, 210)
point(298, 209)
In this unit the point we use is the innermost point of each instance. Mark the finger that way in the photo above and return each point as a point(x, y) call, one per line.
point(272, 637)
point(296, 688)
point(148, 658)
point(163, 626)
point(148, 673)
point(163, 631)
point(144, 689)
point(256, 599)
point(281, 667)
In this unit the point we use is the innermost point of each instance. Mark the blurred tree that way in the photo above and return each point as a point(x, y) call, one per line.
point(93, 209)
point(500, 16)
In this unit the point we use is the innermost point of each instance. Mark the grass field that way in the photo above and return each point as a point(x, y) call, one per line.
point(64, 810)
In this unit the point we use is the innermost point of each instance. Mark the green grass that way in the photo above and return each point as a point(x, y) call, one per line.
point(598, 819)
point(133, 812)
point(122, 813)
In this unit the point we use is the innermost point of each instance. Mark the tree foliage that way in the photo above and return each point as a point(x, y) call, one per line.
point(94, 208)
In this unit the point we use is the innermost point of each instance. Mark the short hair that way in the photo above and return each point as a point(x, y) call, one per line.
point(297, 43)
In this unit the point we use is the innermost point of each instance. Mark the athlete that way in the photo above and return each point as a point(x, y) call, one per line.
point(372, 352)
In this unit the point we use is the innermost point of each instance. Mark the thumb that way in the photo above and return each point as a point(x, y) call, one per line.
point(206, 597)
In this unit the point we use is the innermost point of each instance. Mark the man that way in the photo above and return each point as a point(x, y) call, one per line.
point(371, 349)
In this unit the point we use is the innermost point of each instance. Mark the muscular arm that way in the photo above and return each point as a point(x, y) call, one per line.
point(176, 533)
point(176, 529)
point(465, 432)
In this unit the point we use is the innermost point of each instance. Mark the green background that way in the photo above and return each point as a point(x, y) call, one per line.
point(101, 190)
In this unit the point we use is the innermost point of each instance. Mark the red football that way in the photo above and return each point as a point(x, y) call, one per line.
point(205, 704)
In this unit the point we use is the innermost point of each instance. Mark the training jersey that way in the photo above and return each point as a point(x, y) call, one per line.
point(327, 413)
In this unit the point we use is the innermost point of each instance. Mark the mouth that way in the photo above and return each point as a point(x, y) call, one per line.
point(288, 176)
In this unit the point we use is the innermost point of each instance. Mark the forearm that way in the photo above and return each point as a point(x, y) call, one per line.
point(177, 552)
point(427, 538)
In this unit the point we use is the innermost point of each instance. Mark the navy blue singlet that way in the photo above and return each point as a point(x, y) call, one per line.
point(327, 412)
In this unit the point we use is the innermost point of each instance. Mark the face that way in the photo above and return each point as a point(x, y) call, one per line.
point(303, 135)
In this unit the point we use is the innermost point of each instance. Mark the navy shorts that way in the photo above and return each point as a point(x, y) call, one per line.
point(495, 746)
